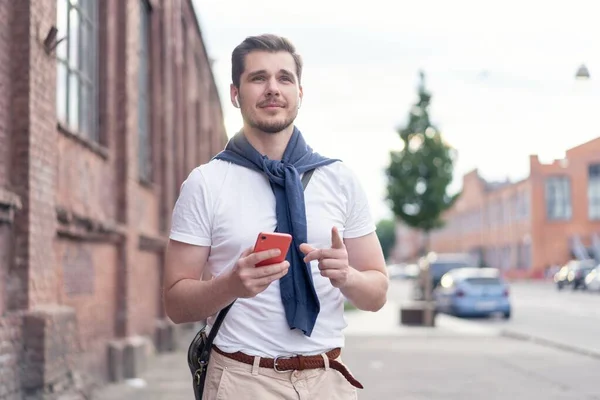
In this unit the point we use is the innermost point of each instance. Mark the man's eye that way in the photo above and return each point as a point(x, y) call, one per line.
point(258, 78)
point(286, 78)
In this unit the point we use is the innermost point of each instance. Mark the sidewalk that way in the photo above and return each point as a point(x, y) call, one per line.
point(386, 322)
point(168, 376)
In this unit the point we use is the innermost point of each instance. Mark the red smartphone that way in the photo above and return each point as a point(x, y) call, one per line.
point(273, 240)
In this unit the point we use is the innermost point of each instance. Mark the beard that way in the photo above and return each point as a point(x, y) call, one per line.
point(271, 127)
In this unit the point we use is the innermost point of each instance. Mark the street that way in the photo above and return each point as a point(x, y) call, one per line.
point(458, 359)
point(564, 318)
point(569, 318)
point(491, 368)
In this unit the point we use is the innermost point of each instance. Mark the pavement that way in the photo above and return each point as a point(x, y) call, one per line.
point(565, 319)
point(457, 359)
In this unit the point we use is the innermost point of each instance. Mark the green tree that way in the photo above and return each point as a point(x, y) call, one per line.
point(420, 173)
point(386, 232)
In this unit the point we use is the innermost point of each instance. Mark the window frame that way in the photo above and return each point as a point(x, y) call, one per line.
point(82, 71)
point(593, 189)
point(144, 125)
point(551, 182)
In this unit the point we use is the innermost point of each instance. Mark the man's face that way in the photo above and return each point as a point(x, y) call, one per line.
point(269, 91)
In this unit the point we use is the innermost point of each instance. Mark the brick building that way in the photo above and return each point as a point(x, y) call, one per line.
point(97, 133)
point(523, 227)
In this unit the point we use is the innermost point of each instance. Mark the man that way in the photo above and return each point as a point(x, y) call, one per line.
point(285, 310)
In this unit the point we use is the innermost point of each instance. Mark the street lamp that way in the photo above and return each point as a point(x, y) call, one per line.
point(582, 73)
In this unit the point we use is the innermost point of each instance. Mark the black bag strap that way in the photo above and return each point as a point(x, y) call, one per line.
point(215, 328)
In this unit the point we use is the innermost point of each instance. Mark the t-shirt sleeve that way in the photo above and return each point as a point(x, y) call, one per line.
point(359, 221)
point(192, 215)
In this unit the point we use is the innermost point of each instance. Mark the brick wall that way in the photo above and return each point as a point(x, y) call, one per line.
point(551, 239)
point(87, 273)
point(5, 89)
point(82, 243)
point(13, 290)
point(10, 346)
point(10, 324)
point(522, 239)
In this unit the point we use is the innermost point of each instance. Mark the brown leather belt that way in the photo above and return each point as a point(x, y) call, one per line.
point(296, 363)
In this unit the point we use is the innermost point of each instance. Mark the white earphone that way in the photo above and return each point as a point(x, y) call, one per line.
point(299, 102)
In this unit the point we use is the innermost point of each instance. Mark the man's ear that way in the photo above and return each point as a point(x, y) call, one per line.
point(300, 96)
point(234, 93)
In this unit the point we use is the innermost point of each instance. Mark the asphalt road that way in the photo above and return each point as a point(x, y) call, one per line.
point(418, 367)
point(491, 368)
point(563, 318)
point(442, 363)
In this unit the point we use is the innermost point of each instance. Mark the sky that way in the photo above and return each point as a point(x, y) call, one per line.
point(501, 74)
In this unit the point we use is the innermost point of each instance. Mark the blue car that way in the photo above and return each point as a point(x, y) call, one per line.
point(473, 292)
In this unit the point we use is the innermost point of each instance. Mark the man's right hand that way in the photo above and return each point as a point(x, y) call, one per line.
point(247, 280)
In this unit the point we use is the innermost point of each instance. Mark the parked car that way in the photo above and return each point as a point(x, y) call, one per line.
point(592, 280)
point(471, 292)
point(396, 271)
point(403, 271)
point(439, 264)
point(411, 271)
point(573, 274)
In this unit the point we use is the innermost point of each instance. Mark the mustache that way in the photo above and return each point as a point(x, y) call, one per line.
point(271, 103)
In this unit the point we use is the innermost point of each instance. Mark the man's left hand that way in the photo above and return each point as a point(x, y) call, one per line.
point(333, 262)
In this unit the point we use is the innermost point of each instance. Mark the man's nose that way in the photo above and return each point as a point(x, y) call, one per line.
point(272, 87)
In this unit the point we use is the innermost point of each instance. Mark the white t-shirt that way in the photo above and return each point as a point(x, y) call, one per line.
point(225, 206)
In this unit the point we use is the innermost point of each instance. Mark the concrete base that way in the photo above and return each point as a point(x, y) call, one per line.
point(166, 337)
point(115, 360)
point(50, 347)
point(129, 357)
point(415, 314)
point(135, 356)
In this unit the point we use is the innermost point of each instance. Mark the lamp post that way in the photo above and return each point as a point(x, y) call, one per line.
point(582, 73)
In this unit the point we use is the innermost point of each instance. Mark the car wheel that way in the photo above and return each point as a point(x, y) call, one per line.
point(506, 315)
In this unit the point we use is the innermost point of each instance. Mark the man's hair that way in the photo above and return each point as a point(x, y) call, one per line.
point(266, 42)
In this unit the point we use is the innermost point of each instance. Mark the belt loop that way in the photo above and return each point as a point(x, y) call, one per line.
point(255, 365)
point(326, 361)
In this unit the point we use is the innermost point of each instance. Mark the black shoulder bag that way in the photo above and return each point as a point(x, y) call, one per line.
point(200, 348)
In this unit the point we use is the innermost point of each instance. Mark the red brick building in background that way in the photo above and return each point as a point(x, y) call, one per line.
point(523, 227)
point(96, 136)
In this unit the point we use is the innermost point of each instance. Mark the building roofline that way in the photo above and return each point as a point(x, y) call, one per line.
point(205, 52)
point(579, 146)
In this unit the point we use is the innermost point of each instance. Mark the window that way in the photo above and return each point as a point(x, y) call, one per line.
point(505, 256)
point(523, 255)
point(523, 205)
point(594, 191)
point(76, 82)
point(558, 198)
point(144, 136)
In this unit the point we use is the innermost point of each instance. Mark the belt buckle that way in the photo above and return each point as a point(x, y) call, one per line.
point(275, 363)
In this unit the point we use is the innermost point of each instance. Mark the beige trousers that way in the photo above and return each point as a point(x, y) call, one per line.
point(228, 379)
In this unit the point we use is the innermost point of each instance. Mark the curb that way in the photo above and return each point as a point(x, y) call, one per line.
point(468, 328)
point(549, 343)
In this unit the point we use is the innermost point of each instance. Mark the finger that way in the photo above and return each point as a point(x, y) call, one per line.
point(332, 273)
point(336, 239)
point(322, 254)
point(267, 280)
point(255, 258)
point(247, 252)
point(314, 255)
point(330, 263)
point(306, 248)
point(269, 270)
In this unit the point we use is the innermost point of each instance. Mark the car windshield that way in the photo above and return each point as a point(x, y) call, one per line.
point(483, 281)
point(440, 268)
